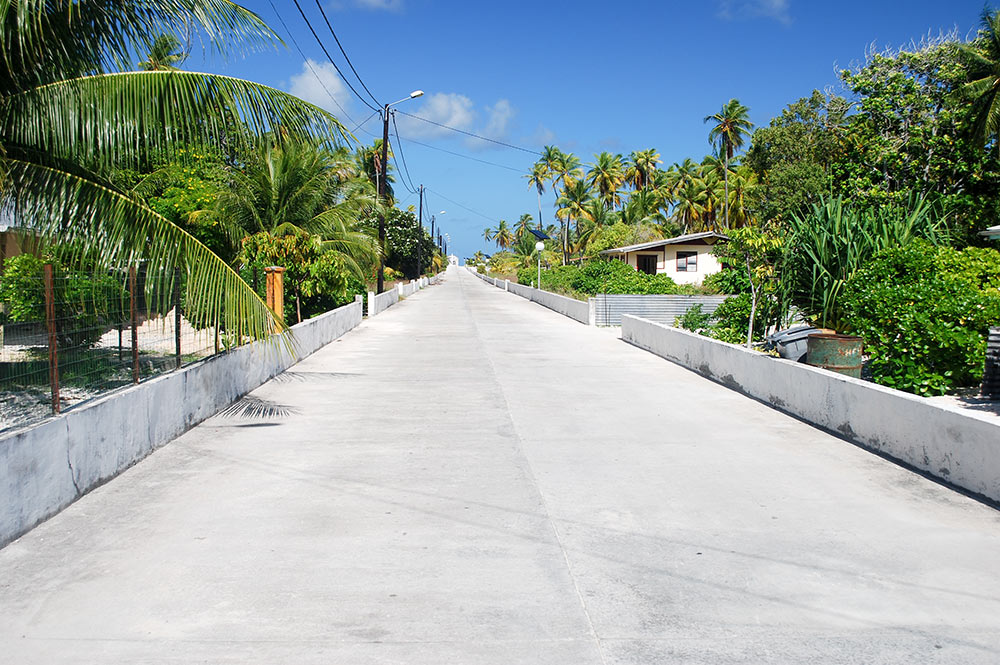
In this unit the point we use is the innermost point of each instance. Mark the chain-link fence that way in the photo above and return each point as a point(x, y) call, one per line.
point(69, 336)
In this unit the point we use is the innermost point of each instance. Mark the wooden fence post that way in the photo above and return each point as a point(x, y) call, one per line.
point(50, 320)
point(177, 315)
point(135, 324)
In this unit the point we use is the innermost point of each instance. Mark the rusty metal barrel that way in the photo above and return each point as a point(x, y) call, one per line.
point(837, 353)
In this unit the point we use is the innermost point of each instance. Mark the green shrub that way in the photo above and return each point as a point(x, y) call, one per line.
point(732, 319)
point(694, 319)
point(924, 313)
point(618, 277)
point(729, 281)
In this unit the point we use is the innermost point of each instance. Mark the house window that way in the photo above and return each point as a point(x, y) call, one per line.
point(646, 263)
point(687, 261)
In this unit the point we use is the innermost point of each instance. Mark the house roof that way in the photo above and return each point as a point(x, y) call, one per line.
point(991, 232)
point(679, 240)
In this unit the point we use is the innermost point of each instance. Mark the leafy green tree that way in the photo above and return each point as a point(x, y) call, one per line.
point(911, 137)
point(731, 126)
point(794, 154)
point(982, 62)
point(405, 242)
point(69, 116)
point(758, 250)
point(311, 277)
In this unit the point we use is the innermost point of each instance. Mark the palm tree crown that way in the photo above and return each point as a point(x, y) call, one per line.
point(732, 126)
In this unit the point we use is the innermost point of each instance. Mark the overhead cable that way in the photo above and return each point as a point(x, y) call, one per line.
point(349, 63)
point(309, 65)
point(458, 154)
point(474, 212)
point(475, 136)
point(401, 155)
point(330, 58)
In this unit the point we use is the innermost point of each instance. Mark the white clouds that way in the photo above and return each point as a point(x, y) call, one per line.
point(742, 9)
point(317, 82)
point(374, 5)
point(460, 112)
point(386, 5)
point(499, 117)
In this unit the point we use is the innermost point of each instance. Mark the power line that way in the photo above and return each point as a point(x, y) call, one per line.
point(309, 65)
point(349, 63)
point(474, 212)
point(358, 126)
point(475, 136)
point(458, 154)
point(401, 155)
point(330, 58)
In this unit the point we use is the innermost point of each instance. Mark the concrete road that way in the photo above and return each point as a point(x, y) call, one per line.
point(470, 478)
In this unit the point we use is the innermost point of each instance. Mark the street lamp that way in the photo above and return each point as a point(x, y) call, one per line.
point(539, 246)
point(383, 167)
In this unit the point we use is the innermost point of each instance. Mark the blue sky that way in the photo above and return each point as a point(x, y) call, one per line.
point(586, 76)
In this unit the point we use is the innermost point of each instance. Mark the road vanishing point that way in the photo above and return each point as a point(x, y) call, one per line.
point(469, 478)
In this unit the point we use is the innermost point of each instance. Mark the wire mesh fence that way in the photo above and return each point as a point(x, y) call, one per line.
point(70, 336)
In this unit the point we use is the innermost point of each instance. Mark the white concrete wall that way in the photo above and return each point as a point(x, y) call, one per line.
point(574, 309)
point(45, 468)
point(957, 446)
point(666, 263)
point(381, 302)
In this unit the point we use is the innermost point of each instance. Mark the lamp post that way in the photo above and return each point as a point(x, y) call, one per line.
point(383, 168)
point(539, 246)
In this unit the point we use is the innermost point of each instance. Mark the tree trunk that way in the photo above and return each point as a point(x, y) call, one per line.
point(725, 177)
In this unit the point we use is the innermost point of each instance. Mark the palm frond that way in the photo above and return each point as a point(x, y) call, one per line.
point(114, 120)
point(61, 206)
point(45, 40)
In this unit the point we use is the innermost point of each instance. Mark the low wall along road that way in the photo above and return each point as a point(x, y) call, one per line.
point(46, 467)
point(951, 444)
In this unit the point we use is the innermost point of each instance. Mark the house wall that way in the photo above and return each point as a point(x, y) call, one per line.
point(708, 264)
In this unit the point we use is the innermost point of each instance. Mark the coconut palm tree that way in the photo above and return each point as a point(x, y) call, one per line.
point(575, 196)
point(607, 175)
point(368, 159)
point(567, 171)
point(523, 226)
point(981, 58)
point(69, 115)
point(165, 54)
point(536, 177)
point(503, 237)
point(732, 126)
point(639, 171)
point(488, 234)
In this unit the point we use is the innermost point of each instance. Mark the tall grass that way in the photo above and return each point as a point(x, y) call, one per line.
point(830, 242)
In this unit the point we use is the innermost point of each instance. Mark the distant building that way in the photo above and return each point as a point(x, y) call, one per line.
point(452, 260)
point(686, 259)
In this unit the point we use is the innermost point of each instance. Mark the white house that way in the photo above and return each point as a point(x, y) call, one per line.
point(686, 259)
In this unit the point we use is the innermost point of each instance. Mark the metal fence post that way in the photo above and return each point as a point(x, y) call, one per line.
point(135, 324)
point(50, 319)
point(177, 315)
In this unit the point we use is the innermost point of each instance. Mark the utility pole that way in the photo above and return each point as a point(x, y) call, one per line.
point(420, 230)
point(382, 167)
point(433, 217)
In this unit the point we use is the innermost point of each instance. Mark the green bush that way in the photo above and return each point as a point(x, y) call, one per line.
point(618, 277)
point(730, 281)
point(695, 319)
point(732, 319)
point(86, 305)
point(924, 313)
